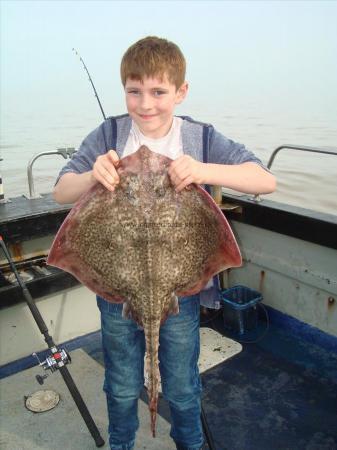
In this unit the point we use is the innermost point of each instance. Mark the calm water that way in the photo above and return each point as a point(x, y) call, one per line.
point(304, 179)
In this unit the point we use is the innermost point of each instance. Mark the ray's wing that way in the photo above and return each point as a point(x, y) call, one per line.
point(84, 244)
point(216, 237)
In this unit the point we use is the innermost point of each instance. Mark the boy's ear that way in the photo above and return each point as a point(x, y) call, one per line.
point(181, 92)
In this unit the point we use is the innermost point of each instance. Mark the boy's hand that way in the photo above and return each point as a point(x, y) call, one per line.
point(104, 170)
point(184, 171)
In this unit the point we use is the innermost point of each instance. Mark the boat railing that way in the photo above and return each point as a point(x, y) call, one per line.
point(69, 151)
point(303, 148)
point(64, 152)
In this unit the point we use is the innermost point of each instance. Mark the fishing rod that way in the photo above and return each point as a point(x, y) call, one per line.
point(58, 358)
point(92, 83)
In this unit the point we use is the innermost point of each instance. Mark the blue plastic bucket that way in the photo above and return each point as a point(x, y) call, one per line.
point(239, 305)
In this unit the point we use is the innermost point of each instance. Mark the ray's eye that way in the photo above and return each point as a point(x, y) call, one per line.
point(129, 192)
point(160, 185)
point(131, 187)
point(160, 191)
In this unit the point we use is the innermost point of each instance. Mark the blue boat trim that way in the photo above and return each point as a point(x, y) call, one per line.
point(303, 330)
point(30, 361)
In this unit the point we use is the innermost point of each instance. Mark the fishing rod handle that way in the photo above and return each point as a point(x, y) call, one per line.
point(82, 406)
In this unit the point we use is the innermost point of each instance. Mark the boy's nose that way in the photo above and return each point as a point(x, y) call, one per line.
point(146, 102)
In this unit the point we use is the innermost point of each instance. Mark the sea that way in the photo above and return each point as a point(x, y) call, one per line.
point(304, 179)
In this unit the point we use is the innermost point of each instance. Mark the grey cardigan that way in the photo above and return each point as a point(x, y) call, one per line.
point(200, 140)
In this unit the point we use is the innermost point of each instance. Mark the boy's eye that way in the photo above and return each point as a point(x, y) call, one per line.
point(133, 91)
point(158, 93)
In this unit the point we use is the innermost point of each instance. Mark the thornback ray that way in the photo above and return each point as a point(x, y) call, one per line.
point(145, 245)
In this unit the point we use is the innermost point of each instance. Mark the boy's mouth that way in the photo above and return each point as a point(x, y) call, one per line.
point(147, 116)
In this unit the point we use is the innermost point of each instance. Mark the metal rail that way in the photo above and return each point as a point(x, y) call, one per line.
point(303, 148)
point(65, 152)
point(297, 147)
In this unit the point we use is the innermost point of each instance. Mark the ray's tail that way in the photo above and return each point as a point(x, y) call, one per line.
point(152, 369)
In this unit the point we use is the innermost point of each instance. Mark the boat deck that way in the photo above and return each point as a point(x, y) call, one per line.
point(279, 393)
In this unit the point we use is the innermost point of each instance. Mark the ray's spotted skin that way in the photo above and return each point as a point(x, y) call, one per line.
point(145, 244)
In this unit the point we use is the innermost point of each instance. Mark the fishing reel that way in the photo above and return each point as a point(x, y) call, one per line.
point(58, 359)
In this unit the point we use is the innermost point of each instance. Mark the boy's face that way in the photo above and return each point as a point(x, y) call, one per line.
point(151, 104)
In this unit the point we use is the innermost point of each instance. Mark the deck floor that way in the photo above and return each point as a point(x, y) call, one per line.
point(277, 394)
point(63, 427)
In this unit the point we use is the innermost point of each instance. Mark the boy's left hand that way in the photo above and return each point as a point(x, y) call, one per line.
point(184, 171)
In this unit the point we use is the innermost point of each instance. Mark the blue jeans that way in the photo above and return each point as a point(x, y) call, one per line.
point(124, 348)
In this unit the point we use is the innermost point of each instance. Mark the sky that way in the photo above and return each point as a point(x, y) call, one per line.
point(279, 53)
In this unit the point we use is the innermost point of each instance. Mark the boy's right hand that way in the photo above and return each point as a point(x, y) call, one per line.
point(104, 170)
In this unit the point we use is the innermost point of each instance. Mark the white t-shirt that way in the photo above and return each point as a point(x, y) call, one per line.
point(170, 145)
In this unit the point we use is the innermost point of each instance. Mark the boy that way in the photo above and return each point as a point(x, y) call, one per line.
point(153, 76)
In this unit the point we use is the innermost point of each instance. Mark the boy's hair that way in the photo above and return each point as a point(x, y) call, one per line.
point(154, 57)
